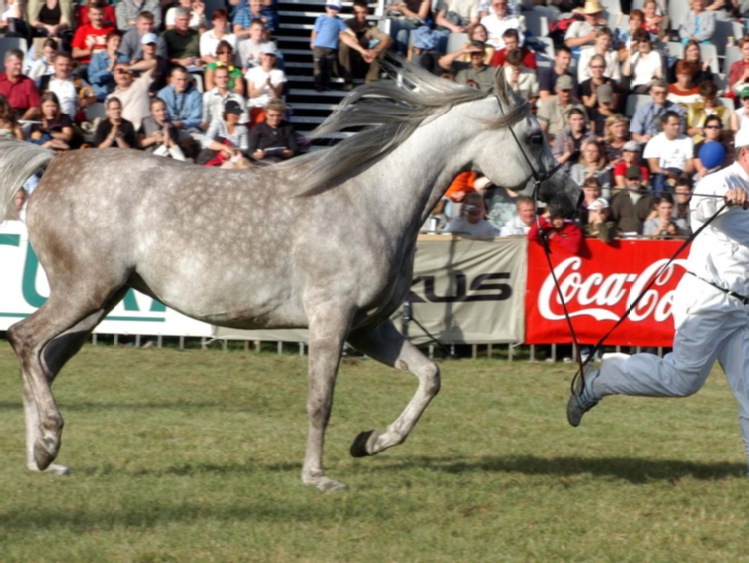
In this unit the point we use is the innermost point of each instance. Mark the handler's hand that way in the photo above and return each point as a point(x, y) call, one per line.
point(736, 196)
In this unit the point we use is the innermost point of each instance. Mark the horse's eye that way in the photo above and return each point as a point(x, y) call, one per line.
point(537, 139)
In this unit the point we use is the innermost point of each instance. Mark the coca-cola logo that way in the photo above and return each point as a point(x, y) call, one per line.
point(606, 297)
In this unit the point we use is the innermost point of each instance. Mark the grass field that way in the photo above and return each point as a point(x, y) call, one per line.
point(196, 456)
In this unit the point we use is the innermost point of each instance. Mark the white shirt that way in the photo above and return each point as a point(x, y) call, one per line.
point(496, 26)
point(670, 154)
point(514, 227)
point(209, 42)
point(65, 91)
point(257, 77)
point(613, 68)
point(644, 68)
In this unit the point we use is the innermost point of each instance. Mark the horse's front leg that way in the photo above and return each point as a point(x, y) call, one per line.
point(385, 344)
point(327, 335)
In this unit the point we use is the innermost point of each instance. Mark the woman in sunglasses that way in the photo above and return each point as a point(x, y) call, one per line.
point(225, 58)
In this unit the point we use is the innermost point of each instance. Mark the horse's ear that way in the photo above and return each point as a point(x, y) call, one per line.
point(500, 88)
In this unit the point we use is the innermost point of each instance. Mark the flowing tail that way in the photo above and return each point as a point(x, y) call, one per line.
point(19, 160)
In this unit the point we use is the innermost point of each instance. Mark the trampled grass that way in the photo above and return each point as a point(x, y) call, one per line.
point(196, 455)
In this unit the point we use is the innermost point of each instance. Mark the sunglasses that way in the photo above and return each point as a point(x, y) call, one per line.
point(711, 127)
point(597, 66)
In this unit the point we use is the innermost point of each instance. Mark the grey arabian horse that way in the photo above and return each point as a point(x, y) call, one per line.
point(325, 241)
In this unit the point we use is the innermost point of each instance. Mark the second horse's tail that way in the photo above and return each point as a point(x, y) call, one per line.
point(19, 160)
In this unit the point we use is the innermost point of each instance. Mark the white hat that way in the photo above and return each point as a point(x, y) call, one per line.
point(149, 38)
point(335, 4)
point(269, 48)
point(742, 138)
point(598, 204)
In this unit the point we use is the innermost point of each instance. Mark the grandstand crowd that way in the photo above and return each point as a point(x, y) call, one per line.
point(638, 99)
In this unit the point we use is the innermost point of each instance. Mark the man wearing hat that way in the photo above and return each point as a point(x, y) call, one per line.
point(630, 157)
point(598, 224)
point(370, 38)
point(583, 33)
point(475, 73)
point(631, 206)
point(552, 112)
point(710, 308)
point(132, 41)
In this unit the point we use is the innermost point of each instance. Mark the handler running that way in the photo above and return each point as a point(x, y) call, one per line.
point(711, 308)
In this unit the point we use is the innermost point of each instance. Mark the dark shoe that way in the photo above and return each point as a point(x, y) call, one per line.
point(581, 397)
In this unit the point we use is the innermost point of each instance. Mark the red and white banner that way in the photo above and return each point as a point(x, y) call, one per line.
point(598, 288)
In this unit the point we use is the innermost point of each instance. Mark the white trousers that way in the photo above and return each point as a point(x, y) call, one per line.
point(710, 326)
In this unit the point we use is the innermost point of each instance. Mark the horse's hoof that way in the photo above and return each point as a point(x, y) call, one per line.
point(327, 485)
point(359, 446)
point(45, 452)
point(52, 469)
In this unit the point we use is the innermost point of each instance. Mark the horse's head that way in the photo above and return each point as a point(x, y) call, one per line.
point(513, 152)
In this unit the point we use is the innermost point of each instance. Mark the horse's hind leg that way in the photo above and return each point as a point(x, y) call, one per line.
point(385, 344)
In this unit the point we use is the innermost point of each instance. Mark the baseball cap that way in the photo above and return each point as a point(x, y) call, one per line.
point(334, 4)
point(598, 204)
point(744, 92)
point(269, 48)
point(149, 38)
point(605, 93)
point(631, 146)
point(233, 107)
point(564, 82)
point(633, 173)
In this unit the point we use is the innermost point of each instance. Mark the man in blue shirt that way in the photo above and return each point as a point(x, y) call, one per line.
point(184, 105)
point(646, 121)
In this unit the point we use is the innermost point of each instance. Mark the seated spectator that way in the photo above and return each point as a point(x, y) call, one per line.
point(644, 66)
point(404, 18)
point(521, 79)
point(560, 233)
point(738, 74)
point(553, 112)
point(663, 225)
point(224, 58)
point(72, 92)
point(82, 13)
point(454, 16)
point(583, 33)
point(500, 202)
point(630, 159)
point(740, 117)
point(131, 46)
point(115, 131)
point(603, 109)
point(631, 206)
point(151, 62)
point(371, 40)
point(182, 41)
point(131, 93)
point(712, 132)
point(195, 15)
point(46, 63)
point(476, 74)
point(682, 196)
point(478, 32)
point(55, 130)
point(157, 135)
point(646, 122)
point(423, 53)
point(601, 50)
point(699, 111)
point(692, 55)
point(210, 41)
point(598, 224)
point(699, 24)
point(9, 126)
point(623, 39)
point(245, 14)
point(273, 140)
point(499, 21)
point(521, 222)
point(100, 71)
point(567, 145)
point(548, 76)
point(512, 41)
point(615, 137)
point(91, 38)
point(51, 18)
point(591, 192)
point(264, 82)
point(597, 66)
point(654, 21)
point(127, 12)
point(472, 220)
point(669, 154)
point(249, 48)
point(214, 100)
point(184, 103)
point(683, 91)
point(20, 90)
point(592, 164)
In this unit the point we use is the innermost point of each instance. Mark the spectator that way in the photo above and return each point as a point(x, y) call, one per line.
point(9, 126)
point(20, 90)
point(591, 192)
point(273, 140)
point(157, 135)
point(182, 41)
point(692, 55)
point(46, 63)
point(478, 33)
point(663, 225)
point(91, 38)
point(246, 14)
point(588, 87)
point(631, 206)
point(669, 154)
point(152, 62)
point(214, 100)
point(521, 222)
point(598, 224)
point(521, 79)
point(654, 22)
point(644, 66)
point(683, 91)
point(476, 74)
point(328, 31)
point(184, 102)
point(131, 93)
point(512, 41)
point(682, 196)
point(472, 220)
point(547, 77)
point(127, 12)
point(583, 33)
point(500, 201)
point(560, 233)
point(740, 116)
point(115, 131)
point(699, 24)
point(602, 110)
point(371, 40)
point(72, 93)
point(713, 131)
point(224, 59)
point(602, 49)
point(615, 137)
point(500, 21)
point(568, 143)
point(82, 13)
point(131, 46)
point(630, 159)
point(51, 18)
point(264, 82)
point(646, 120)
point(423, 53)
point(195, 15)
point(454, 16)
point(249, 49)
point(55, 130)
point(738, 74)
point(553, 112)
point(623, 39)
point(404, 18)
point(592, 164)
point(211, 39)
point(101, 69)
point(711, 156)
point(699, 111)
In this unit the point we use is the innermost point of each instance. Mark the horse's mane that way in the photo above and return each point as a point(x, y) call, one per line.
point(389, 111)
